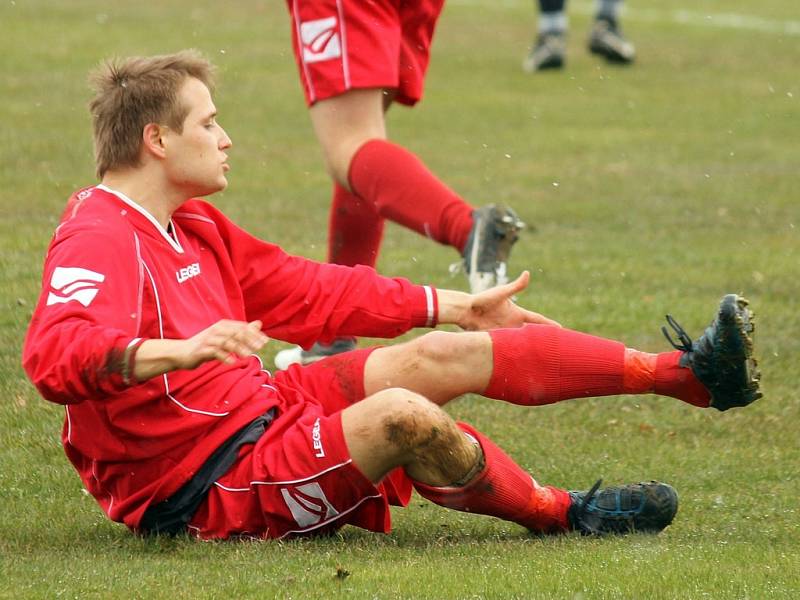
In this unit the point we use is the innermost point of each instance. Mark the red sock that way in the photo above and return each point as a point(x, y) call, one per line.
point(403, 190)
point(679, 382)
point(542, 364)
point(502, 489)
point(355, 230)
point(662, 374)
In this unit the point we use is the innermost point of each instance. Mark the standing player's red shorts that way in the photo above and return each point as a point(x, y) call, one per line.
point(342, 45)
point(298, 478)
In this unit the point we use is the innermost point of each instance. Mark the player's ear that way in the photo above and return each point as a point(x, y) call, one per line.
point(153, 139)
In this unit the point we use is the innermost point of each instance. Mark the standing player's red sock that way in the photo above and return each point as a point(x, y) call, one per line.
point(405, 191)
point(542, 364)
point(502, 489)
point(355, 230)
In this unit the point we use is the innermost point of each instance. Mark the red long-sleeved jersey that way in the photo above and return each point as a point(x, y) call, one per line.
point(113, 275)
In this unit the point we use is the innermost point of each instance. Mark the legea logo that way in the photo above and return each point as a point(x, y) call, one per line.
point(308, 504)
point(320, 40)
point(316, 440)
point(73, 283)
point(193, 270)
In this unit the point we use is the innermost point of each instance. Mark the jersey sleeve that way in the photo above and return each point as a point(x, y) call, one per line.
point(303, 301)
point(85, 318)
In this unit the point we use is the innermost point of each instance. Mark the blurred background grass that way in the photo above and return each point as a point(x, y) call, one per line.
point(649, 190)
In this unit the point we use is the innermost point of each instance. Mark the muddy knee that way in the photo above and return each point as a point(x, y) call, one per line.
point(412, 423)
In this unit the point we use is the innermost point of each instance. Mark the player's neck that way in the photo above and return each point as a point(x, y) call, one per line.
point(148, 191)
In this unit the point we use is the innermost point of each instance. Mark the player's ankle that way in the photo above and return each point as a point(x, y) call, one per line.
point(677, 381)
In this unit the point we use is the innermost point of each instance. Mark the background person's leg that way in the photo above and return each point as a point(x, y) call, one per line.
point(549, 48)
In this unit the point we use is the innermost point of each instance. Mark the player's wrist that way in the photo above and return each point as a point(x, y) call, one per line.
point(454, 307)
point(156, 357)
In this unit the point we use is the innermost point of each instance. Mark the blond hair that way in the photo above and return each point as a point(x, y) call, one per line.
point(132, 92)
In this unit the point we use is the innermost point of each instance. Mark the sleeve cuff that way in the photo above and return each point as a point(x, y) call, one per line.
point(425, 311)
point(129, 361)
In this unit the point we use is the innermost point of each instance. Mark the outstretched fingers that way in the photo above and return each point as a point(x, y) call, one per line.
point(538, 319)
point(519, 284)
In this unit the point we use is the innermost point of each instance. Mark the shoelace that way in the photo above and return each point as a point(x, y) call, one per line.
point(584, 505)
point(685, 341)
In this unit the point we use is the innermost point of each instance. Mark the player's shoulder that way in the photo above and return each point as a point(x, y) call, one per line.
point(91, 213)
point(91, 204)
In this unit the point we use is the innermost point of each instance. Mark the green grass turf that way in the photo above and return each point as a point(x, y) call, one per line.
point(651, 189)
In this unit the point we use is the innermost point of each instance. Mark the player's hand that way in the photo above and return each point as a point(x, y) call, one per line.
point(495, 308)
point(225, 340)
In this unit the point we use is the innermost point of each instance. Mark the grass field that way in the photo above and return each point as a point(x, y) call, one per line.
point(652, 189)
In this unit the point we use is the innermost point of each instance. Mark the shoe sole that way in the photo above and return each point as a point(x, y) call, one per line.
point(611, 56)
point(552, 63)
point(736, 318)
point(662, 500)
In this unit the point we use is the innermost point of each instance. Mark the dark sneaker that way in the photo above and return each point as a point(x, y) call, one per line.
point(607, 41)
point(722, 358)
point(297, 356)
point(646, 507)
point(495, 229)
point(549, 52)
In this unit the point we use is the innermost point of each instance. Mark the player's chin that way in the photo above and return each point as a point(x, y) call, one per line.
point(217, 186)
point(209, 188)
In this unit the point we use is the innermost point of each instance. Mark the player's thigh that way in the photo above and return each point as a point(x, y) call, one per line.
point(298, 479)
point(334, 383)
point(341, 45)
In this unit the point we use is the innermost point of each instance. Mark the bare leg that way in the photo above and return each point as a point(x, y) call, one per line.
point(438, 365)
point(342, 125)
point(452, 465)
point(398, 428)
point(529, 365)
point(352, 131)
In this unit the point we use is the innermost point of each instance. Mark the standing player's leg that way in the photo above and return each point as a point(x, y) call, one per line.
point(352, 58)
point(456, 466)
point(549, 50)
point(351, 130)
point(352, 63)
point(359, 157)
point(540, 364)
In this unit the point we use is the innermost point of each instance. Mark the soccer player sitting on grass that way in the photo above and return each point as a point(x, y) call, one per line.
point(154, 303)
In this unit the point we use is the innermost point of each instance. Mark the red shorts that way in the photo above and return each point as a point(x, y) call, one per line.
point(298, 478)
point(342, 45)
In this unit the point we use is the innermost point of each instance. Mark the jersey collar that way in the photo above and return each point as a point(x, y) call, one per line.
point(172, 240)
